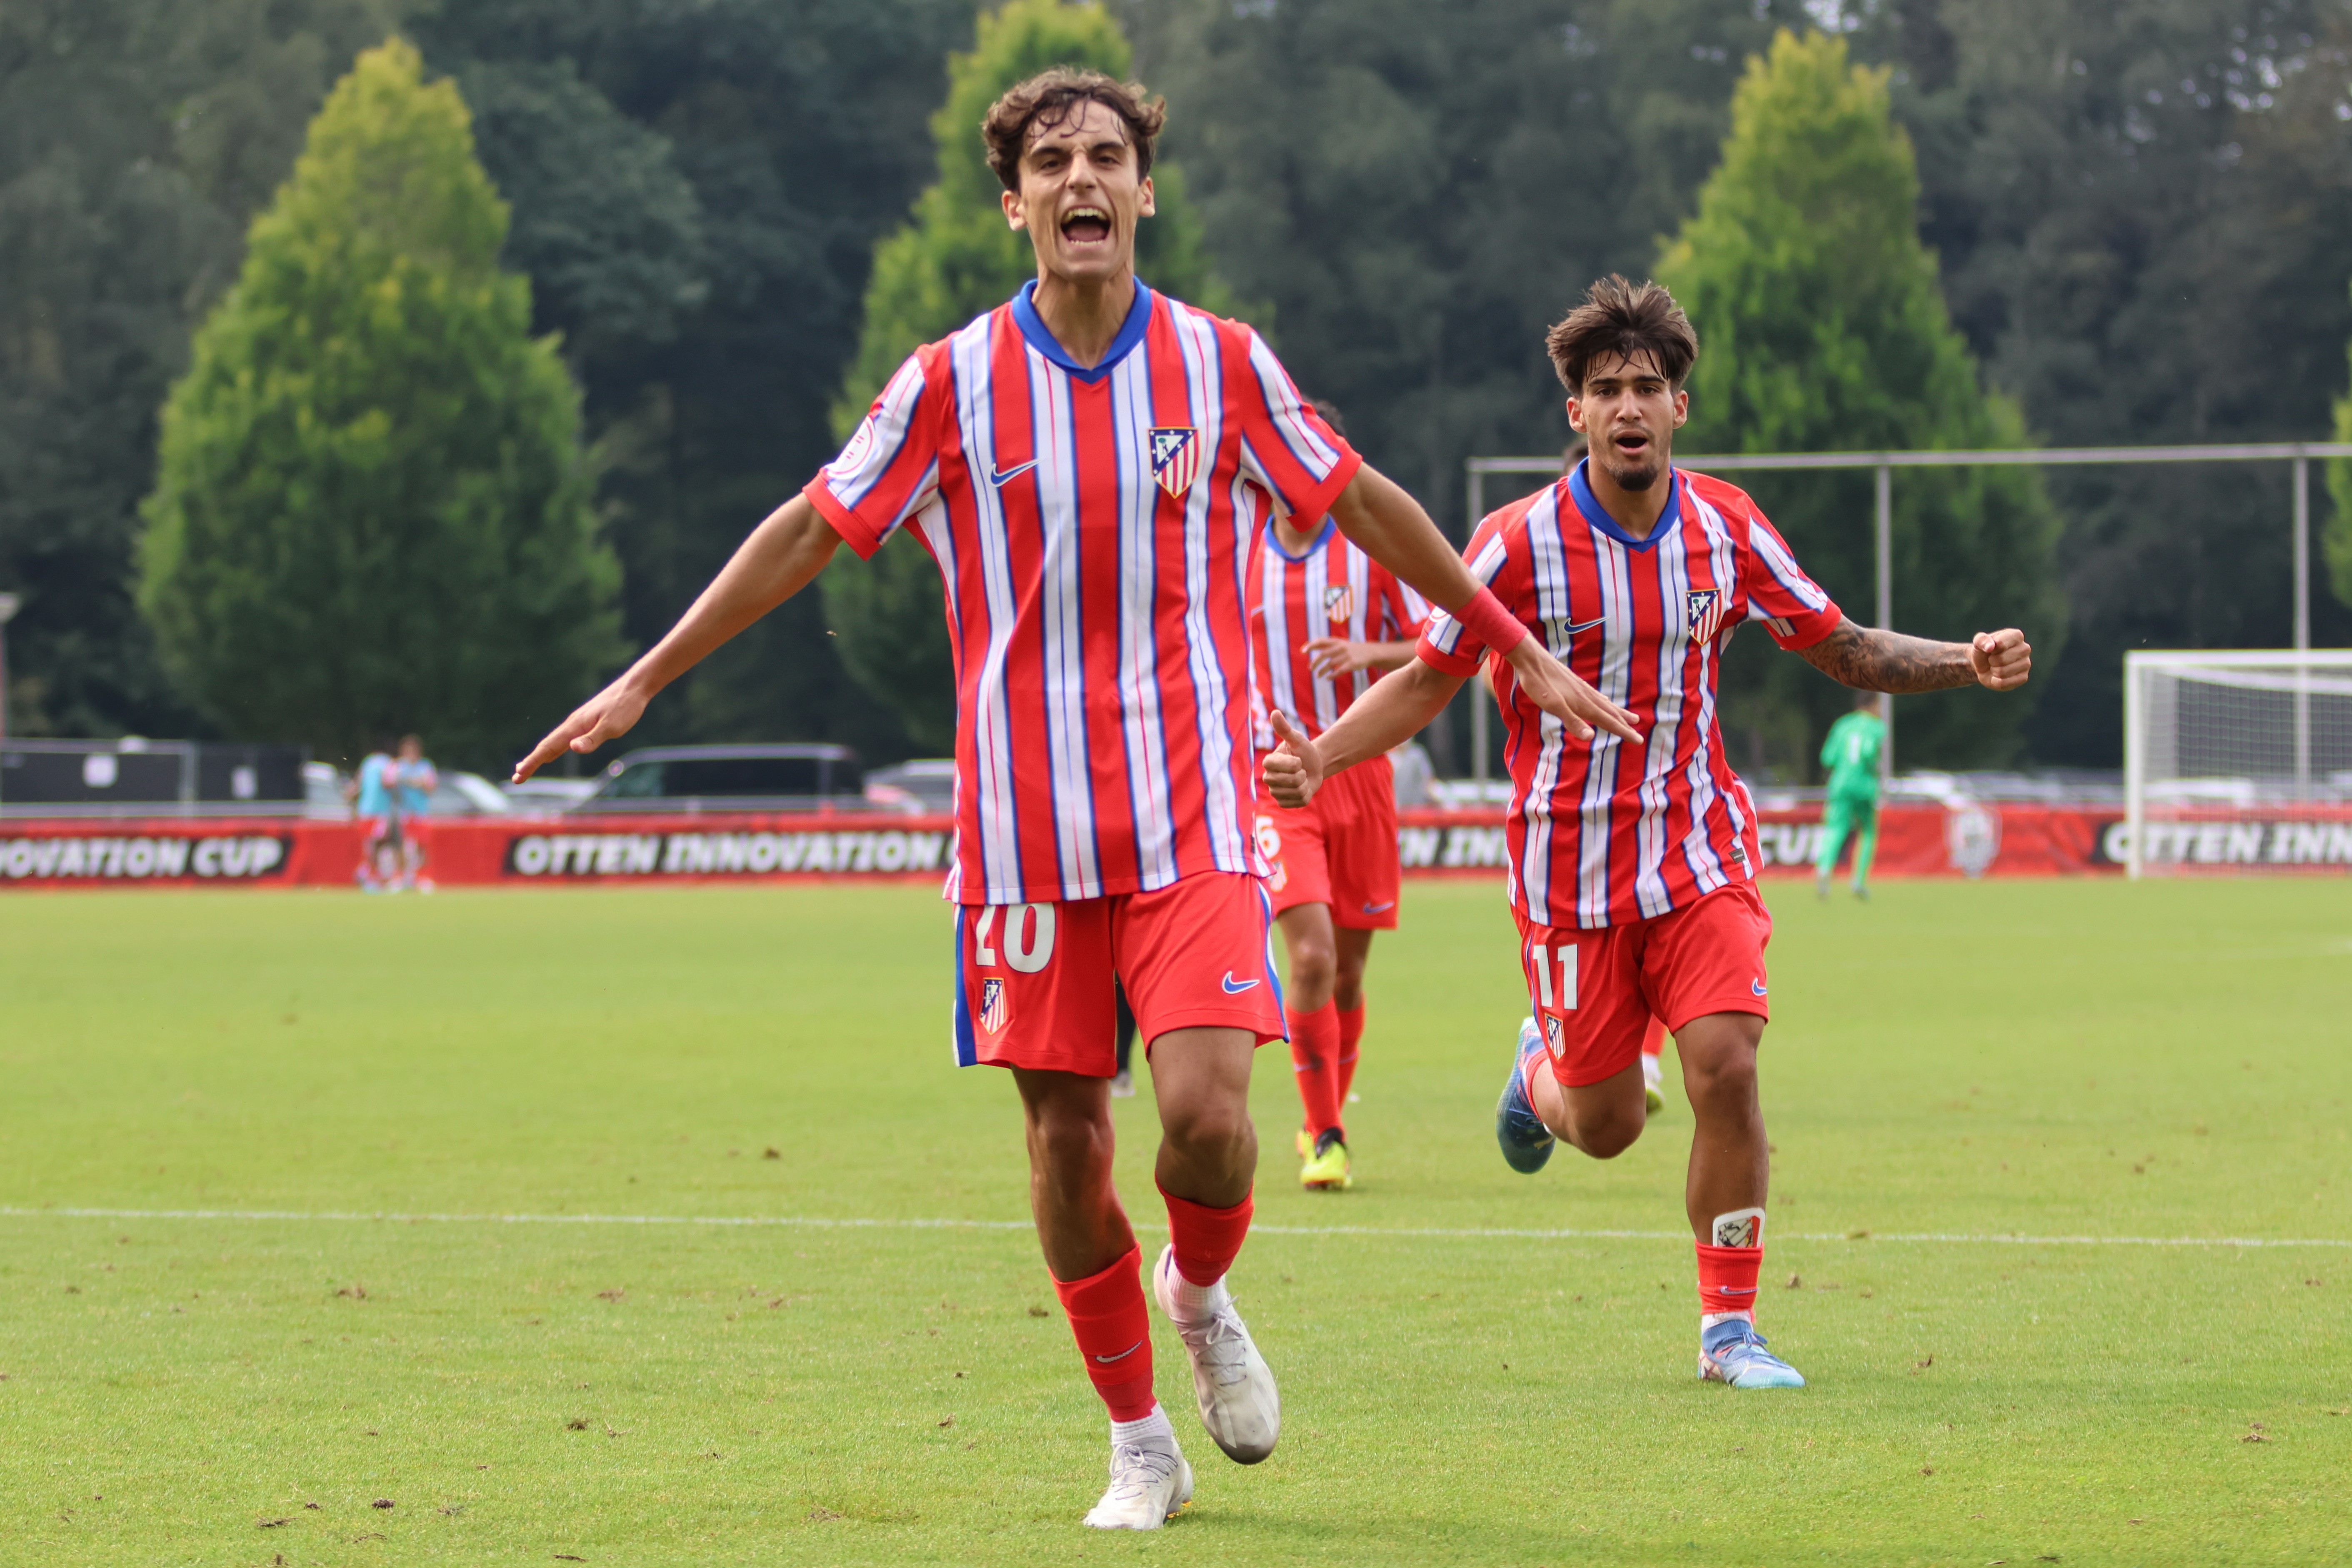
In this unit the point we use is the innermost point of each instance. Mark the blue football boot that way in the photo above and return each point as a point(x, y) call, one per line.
point(1526, 1142)
point(1732, 1352)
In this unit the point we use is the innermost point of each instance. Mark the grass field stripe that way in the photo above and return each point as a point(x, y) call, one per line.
point(812, 1222)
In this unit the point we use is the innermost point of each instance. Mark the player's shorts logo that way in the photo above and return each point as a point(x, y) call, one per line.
point(1551, 1034)
point(1175, 457)
point(992, 1005)
point(1705, 613)
point(1339, 602)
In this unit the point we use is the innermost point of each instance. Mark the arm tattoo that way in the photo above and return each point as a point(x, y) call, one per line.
point(1889, 661)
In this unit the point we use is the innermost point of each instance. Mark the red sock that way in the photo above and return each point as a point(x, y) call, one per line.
point(1654, 1038)
point(1351, 1035)
point(1315, 1055)
point(1207, 1240)
point(1114, 1334)
point(1727, 1275)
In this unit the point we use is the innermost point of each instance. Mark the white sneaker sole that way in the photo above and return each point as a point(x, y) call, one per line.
point(1243, 1418)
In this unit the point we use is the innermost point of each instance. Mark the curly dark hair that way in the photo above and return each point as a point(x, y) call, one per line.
point(1618, 317)
point(1050, 97)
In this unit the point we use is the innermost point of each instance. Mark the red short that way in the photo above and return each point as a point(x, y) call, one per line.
point(1033, 980)
point(1340, 849)
point(1595, 991)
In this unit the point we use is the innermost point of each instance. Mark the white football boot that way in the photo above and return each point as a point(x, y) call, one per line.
point(1150, 1485)
point(1653, 1093)
point(1239, 1404)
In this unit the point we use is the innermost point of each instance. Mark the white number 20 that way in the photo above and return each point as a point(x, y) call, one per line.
point(1028, 937)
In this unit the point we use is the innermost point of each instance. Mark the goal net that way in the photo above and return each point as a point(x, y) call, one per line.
point(2238, 761)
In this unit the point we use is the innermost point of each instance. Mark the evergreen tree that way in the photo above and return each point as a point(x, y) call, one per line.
point(137, 139)
point(954, 260)
point(1821, 329)
point(697, 190)
point(371, 510)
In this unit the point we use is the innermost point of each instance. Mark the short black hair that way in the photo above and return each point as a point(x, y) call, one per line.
point(1627, 319)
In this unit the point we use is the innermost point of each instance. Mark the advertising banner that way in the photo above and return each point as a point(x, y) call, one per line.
point(1965, 840)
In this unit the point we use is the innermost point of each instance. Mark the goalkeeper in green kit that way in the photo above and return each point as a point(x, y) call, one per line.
point(1850, 754)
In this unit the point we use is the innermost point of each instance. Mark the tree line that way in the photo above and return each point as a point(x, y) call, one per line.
point(694, 240)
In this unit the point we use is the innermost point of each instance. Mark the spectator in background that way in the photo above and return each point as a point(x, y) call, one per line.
point(415, 780)
point(372, 795)
point(1412, 772)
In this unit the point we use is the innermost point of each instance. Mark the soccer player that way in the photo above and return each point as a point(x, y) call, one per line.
point(416, 779)
point(1328, 620)
point(1633, 864)
point(1087, 464)
point(373, 795)
point(1850, 754)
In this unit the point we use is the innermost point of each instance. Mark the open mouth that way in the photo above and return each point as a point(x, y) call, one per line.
point(1086, 225)
point(1630, 443)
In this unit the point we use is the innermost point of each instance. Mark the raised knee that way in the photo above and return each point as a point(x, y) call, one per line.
point(1608, 1140)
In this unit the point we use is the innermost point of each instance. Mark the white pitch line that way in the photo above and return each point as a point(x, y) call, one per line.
point(1461, 1233)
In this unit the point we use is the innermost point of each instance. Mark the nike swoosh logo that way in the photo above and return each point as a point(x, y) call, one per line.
point(1583, 625)
point(1234, 990)
point(1001, 477)
point(1757, 986)
point(1378, 909)
point(1114, 1360)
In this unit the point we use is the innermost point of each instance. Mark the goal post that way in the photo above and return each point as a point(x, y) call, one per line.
point(2238, 760)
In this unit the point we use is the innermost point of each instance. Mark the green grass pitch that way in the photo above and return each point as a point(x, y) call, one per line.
point(2167, 1061)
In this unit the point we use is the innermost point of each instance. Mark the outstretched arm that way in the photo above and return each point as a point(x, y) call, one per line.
point(1393, 712)
point(782, 556)
point(1389, 525)
point(1889, 661)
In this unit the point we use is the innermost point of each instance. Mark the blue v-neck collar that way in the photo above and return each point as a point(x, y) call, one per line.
point(1580, 490)
point(1130, 333)
point(1322, 538)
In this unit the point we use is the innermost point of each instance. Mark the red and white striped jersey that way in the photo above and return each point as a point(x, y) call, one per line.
point(1603, 832)
point(1093, 529)
point(1333, 589)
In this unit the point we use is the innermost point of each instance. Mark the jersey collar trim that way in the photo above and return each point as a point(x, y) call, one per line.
point(1130, 333)
point(1580, 490)
point(1322, 538)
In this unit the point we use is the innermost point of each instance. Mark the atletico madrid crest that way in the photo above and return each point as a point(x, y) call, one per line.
point(992, 1005)
point(1705, 614)
point(1175, 458)
point(1339, 602)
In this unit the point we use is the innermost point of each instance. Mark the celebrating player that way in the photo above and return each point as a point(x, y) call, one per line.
point(1328, 620)
point(1087, 464)
point(1633, 864)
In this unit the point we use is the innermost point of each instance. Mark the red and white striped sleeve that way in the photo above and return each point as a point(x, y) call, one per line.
point(1777, 592)
point(1287, 449)
point(890, 471)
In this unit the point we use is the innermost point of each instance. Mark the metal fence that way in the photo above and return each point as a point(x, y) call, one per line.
point(2300, 454)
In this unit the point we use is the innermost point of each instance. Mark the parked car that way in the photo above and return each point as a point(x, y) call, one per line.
point(790, 776)
point(545, 793)
point(923, 786)
point(467, 794)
